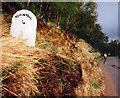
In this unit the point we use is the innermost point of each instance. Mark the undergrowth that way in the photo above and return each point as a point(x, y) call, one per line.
point(59, 65)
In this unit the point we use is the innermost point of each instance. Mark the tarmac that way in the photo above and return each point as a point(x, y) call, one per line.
point(110, 71)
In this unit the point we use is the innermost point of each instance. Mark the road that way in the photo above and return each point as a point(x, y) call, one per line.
point(110, 71)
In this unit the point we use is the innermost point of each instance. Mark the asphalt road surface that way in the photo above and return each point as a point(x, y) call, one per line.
point(110, 70)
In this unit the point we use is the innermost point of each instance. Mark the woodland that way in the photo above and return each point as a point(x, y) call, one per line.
point(76, 18)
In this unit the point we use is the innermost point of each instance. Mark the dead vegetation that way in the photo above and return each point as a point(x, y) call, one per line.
point(59, 65)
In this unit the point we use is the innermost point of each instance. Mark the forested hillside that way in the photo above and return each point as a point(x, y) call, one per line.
point(76, 18)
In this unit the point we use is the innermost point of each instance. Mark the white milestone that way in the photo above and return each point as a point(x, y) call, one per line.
point(24, 24)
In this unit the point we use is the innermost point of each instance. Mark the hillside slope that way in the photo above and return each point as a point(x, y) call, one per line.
point(59, 65)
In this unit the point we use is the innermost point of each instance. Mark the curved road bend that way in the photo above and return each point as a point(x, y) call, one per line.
point(110, 71)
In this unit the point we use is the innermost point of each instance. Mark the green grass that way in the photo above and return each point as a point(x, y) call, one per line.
point(97, 86)
point(99, 59)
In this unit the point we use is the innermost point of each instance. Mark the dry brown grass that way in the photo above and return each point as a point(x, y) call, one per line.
point(28, 71)
point(17, 67)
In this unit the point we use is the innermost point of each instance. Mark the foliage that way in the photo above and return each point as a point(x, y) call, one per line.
point(77, 18)
point(118, 49)
point(113, 47)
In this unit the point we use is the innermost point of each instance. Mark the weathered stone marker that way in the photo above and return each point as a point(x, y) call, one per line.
point(24, 24)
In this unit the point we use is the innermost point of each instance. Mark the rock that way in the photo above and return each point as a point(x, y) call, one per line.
point(24, 24)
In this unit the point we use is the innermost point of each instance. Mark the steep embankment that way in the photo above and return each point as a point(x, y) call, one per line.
point(59, 65)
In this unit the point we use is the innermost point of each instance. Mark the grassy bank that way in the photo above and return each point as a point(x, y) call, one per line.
point(59, 65)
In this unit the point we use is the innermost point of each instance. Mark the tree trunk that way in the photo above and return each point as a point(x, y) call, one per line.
point(49, 13)
point(45, 10)
point(28, 2)
point(40, 6)
point(72, 26)
point(57, 16)
point(59, 20)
